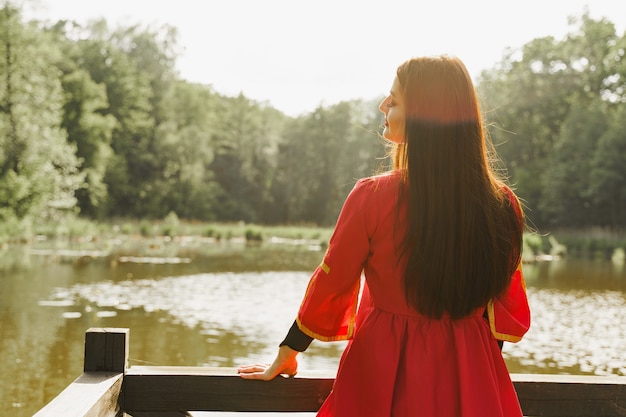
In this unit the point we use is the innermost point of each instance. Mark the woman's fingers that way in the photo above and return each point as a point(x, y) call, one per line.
point(255, 372)
point(263, 372)
point(256, 375)
point(253, 368)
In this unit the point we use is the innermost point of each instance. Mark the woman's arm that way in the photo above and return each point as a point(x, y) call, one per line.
point(329, 306)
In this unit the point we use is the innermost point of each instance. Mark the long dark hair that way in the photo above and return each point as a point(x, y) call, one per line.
point(464, 227)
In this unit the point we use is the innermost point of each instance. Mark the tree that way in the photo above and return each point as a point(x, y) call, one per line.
point(321, 156)
point(154, 52)
point(185, 138)
point(246, 140)
point(134, 167)
point(565, 200)
point(87, 127)
point(91, 132)
point(607, 175)
point(38, 168)
point(535, 99)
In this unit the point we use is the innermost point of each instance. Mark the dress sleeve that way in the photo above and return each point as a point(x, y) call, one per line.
point(329, 306)
point(509, 314)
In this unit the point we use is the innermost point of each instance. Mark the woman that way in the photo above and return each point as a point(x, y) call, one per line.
point(439, 240)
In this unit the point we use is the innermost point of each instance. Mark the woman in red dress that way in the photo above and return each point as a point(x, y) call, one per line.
point(438, 240)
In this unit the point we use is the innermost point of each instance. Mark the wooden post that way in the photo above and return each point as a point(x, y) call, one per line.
point(106, 349)
point(96, 393)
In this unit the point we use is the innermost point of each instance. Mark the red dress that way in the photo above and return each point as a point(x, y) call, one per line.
point(397, 362)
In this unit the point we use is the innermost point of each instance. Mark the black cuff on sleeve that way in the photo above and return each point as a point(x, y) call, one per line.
point(297, 339)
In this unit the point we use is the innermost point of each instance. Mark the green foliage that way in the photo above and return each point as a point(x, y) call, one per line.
point(94, 120)
point(212, 233)
point(533, 244)
point(38, 167)
point(555, 116)
point(12, 228)
point(607, 174)
point(253, 235)
point(171, 224)
point(320, 158)
point(592, 245)
point(146, 228)
point(566, 180)
point(185, 141)
point(127, 228)
point(91, 132)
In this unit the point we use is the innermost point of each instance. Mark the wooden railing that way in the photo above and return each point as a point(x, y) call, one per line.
point(108, 387)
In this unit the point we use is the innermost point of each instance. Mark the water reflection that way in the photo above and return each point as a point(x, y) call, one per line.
point(43, 319)
point(576, 327)
point(588, 275)
point(573, 332)
point(242, 316)
point(234, 307)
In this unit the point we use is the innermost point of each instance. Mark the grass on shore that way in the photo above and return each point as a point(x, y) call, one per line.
point(577, 243)
point(77, 228)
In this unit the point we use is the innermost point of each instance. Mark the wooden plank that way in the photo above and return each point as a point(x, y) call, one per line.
point(93, 394)
point(104, 390)
point(106, 349)
point(571, 395)
point(220, 389)
point(210, 389)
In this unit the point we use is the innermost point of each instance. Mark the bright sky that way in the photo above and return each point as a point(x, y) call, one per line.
point(299, 54)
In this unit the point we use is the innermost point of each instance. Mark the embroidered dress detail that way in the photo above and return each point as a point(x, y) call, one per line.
point(509, 314)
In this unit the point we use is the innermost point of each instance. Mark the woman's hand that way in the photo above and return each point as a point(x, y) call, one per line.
point(285, 363)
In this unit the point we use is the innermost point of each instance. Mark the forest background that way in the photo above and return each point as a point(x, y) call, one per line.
point(97, 127)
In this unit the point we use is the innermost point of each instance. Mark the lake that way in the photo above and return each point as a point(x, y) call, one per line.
point(234, 304)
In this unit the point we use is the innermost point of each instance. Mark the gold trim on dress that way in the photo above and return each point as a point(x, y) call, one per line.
point(492, 319)
point(351, 322)
point(492, 325)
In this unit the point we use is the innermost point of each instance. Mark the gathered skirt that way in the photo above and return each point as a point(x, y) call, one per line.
point(401, 366)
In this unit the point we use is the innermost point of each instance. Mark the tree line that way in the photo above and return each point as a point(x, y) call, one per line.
point(557, 113)
point(95, 121)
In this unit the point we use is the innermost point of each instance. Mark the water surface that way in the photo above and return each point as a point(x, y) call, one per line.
point(235, 307)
